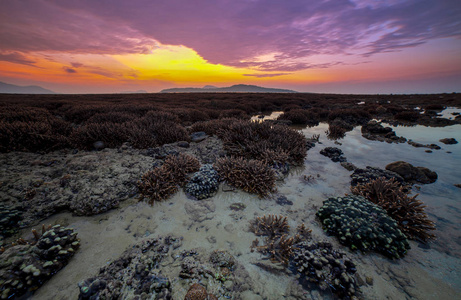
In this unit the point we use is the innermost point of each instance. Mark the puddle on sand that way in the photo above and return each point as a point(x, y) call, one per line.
point(425, 273)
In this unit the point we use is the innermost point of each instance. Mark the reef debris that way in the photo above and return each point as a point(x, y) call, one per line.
point(360, 176)
point(335, 154)
point(361, 224)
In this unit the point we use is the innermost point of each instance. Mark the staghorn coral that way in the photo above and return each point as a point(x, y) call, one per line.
point(335, 132)
point(252, 176)
point(157, 184)
point(406, 210)
point(271, 226)
point(162, 182)
point(180, 166)
point(361, 224)
point(251, 140)
point(279, 249)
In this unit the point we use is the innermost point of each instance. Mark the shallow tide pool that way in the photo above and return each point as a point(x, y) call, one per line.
point(430, 271)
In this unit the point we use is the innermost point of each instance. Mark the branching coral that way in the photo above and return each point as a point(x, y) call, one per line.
point(279, 249)
point(335, 132)
point(162, 182)
point(406, 210)
point(271, 226)
point(252, 140)
point(157, 184)
point(181, 165)
point(252, 176)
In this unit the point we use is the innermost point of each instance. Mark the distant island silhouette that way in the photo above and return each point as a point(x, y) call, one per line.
point(6, 88)
point(238, 88)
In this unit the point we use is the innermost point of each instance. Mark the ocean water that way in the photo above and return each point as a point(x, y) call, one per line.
point(431, 271)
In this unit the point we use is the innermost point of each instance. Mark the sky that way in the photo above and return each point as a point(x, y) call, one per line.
point(337, 46)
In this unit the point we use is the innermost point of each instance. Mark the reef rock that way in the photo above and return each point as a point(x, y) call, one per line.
point(9, 218)
point(204, 183)
point(327, 267)
point(362, 176)
point(25, 267)
point(134, 274)
point(412, 174)
point(376, 132)
point(449, 141)
point(361, 224)
point(335, 154)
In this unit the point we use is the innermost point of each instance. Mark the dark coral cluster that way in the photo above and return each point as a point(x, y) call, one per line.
point(9, 218)
point(405, 209)
point(335, 154)
point(162, 182)
point(326, 267)
point(27, 265)
point(361, 176)
point(134, 273)
point(204, 183)
point(335, 132)
point(361, 224)
point(252, 176)
point(262, 141)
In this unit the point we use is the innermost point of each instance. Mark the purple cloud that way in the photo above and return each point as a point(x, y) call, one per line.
point(229, 32)
point(69, 70)
point(16, 58)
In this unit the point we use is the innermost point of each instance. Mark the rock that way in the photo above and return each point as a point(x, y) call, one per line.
point(198, 136)
point(419, 145)
point(348, 166)
point(335, 154)
point(283, 200)
point(376, 132)
point(412, 174)
point(183, 144)
point(99, 145)
point(449, 141)
point(457, 185)
point(237, 206)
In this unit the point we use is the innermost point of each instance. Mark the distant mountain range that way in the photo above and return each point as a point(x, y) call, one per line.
point(238, 88)
point(6, 88)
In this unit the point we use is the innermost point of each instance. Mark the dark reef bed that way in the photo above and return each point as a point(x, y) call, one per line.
point(230, 196)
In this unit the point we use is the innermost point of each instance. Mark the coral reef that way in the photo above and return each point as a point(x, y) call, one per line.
point(361, 176)
point(196, 292)
point(361, 224)
point(26, 266)
point(162, 182)
point(9, 218)
point(406, 210)
point(335, 132)
point(278, 245)
point(252, 176)
point(270, 225)
point(134, 273)
point(412, 174)
point(157, 185)
point(335, 154)
point(252, 140)
point(180, 166)
point(376, 132)
point(223, 259)
point(204, 183)
point(328, 268)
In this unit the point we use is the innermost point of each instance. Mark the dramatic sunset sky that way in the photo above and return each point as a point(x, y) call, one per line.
point(337, 46)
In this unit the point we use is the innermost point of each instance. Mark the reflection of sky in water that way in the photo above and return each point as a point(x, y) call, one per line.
point(273, 116)
point(447, 113)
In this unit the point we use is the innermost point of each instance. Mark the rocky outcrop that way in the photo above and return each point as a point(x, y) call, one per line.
point(412, 174)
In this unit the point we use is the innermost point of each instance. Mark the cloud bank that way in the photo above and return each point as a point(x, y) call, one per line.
point(228, 32)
